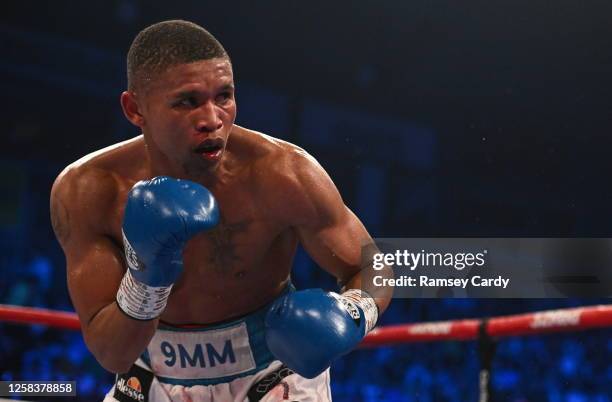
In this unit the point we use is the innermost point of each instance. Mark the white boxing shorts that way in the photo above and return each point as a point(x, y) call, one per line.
point(221, 363)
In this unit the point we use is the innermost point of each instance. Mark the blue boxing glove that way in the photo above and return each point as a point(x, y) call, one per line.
point(309, 329)
point(160, 216)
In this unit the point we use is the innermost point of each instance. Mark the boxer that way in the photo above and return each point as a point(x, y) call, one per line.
point(179, 242)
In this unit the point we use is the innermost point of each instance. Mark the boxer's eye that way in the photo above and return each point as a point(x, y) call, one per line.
point(186, 102)
point(223, 97)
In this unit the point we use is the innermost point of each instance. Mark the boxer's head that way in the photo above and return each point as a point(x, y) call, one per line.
point(181, 94)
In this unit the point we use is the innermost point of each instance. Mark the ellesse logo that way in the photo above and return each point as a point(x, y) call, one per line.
point(131, 388)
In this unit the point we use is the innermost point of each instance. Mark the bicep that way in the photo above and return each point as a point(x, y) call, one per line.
point(94, 267)
point(328, 230)
point(94, 263)
point(337, 245)
point(333, 235)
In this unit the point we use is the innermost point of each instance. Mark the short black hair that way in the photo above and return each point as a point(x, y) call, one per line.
point(166, 44)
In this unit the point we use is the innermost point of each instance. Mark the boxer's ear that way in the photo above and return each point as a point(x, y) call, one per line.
point(131, 109)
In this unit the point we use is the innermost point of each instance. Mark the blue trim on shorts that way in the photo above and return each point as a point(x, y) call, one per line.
point(255, 323)
point(207, 381)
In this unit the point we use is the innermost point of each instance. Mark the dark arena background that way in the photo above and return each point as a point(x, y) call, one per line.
point(434, 118)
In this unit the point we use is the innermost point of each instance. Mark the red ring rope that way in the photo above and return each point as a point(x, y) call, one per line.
point(30, 315)
point(573, 319)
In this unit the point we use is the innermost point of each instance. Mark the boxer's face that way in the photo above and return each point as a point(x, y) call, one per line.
point(188, 113)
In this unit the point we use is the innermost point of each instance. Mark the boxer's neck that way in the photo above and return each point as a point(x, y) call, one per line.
point(158, 165)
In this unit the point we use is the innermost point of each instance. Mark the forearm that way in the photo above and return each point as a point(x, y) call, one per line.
point(363, 280)
point(117, 340)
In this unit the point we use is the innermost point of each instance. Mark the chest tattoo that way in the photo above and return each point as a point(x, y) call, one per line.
point(224, 254)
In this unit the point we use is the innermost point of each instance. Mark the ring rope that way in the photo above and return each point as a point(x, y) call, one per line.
point(571, 319)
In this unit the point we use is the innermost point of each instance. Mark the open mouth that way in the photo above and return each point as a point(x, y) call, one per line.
point(210, 148)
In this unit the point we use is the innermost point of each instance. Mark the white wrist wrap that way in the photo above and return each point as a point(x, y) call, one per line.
point(366, 303)
point(141, 301)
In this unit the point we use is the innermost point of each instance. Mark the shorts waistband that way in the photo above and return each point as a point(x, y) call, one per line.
point(210, 355)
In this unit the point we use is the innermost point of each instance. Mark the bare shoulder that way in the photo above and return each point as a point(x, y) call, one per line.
point(86, 191)
point(80, 198)
point(293, 180)
point(275, 160)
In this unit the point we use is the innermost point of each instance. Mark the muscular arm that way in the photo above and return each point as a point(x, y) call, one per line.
point(331, 233)
point(81, 204)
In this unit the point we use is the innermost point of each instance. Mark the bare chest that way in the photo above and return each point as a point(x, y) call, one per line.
point(233, 250)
